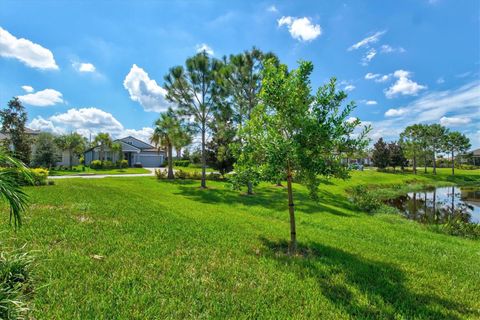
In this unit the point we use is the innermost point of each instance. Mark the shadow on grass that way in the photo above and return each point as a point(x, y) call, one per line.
point(273, 197)
point(363, 288)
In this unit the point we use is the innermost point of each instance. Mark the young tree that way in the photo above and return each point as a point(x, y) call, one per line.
point(195, 90)
point(436, 141)
point(74, 143)
point(396, 156)
point(295, 132)
point(242, 81)
point(117, 148)
point(410, 142)
point(104, 141)
point(456, 142)
point(381, 154)
point(14, 118)
point(167, 129)
point(46, 151)
point(183, 140)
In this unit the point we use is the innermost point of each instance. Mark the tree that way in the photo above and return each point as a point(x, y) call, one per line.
point(295, 132)
point(74, 143)
point(410, 142)
point(381, 154)
point(117, 148)
point(242, 82)
point(182, 140)
point(167, 129)
point(104, 141)
point(14, 119)
point(396, 156)
point(195, 90)
point(436, 140)
point(10, 189)
point(456, 142)
point(46, 151)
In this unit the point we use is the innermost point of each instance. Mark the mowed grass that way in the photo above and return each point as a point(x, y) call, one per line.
point(89, 171)
point(137, 248)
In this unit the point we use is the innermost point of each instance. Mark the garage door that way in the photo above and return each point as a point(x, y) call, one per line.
point(150, 161)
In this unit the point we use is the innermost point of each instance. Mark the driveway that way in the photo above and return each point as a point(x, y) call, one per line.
point(99, 176)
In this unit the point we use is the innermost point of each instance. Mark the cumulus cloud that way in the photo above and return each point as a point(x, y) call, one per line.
point(88, 121)
point(371, 102)
point(377, 77)
point(31, 54)
point(369, 55)
point(43, 98)
point(145, 91)
point(454, 121)
point(395, 112)
point(367, 41)
point(204, 47)
point(84, 67)
point(27, 88)
point(301, 29)
point(349, 87)
point(404, 85)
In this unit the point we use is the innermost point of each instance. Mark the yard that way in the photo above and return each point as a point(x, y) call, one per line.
point(81, 170)
point(138, 248)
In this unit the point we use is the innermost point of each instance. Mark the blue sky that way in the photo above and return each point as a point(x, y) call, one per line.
point(93, 66)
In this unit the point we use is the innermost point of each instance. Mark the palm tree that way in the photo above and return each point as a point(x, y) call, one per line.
point(10, 189)
point(74, 143)
point(117, 148)
point(104, 141)
point(166, 129)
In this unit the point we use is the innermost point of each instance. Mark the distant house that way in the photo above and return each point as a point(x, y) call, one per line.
point(136, 152)
point(473, 157)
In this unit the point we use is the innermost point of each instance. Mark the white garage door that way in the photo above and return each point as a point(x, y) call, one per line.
point(150, 161)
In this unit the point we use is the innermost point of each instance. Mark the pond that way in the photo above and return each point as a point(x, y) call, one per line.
point(441, 205)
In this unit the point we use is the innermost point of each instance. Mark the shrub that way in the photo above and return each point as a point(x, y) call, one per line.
point(138, 165)
point(467, 167)
point(15, 284)
point(161, 174)
point(364, 199)
point(39, 176)
point(215, 176)
point(458, 227)
point(180, 174)
point(96, 164)
point(107, 164)
point(122, 163)
point(181, 163)
point(81, 160)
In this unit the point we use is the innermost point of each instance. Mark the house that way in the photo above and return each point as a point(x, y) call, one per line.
point(136, 152)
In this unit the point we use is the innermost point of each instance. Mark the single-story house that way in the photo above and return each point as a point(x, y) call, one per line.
point(136, 152)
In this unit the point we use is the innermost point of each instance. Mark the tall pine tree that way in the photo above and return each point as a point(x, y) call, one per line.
point(16, 140)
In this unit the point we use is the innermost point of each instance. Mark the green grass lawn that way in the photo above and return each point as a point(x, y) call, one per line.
point(138, 248)
point(89, 171)
point(193, 169)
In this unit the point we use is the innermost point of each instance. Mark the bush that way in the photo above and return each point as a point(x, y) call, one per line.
point(107, 164)
point(96, 164)
point(138, 165)
point(180, 174)
point(215, 176)
point(458, 227)
point(181, 163)
point(467, 167)
point(15, 284)
point(122, 163)
point(39, 176)
point(364, 199)
point(161, 174)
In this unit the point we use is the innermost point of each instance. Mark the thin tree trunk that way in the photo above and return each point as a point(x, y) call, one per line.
point(425, 163)
point(453, 164)
point(204, 162)
point(249, 187)
point(291, 209)
point(70, 159)
point(170, 162)
point(414, 162)
point(434, 164)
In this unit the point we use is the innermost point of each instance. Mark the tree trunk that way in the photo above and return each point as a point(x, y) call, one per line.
point(170, 162)
point(204, 162)
point(414, 162)
point(291, 208)
point(179, 153)
point(425, 163)
point(434, 164)
point(453, 164)
point(70, 159)
point(249, 187)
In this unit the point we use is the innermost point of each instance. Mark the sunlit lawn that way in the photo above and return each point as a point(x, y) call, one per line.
point(80, 170)
point(136, 248)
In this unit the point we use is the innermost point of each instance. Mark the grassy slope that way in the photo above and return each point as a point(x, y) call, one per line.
point(97, 171)
point(172, 249)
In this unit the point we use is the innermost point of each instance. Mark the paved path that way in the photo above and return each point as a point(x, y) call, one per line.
point(99, 176)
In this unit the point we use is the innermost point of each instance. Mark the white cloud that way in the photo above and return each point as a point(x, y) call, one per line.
point(383, 78)
point(204, 47)
point(88, 121)
point(349, 87)
point(370, 76)
point(377, 77)
point(371, 102)
point(27, 89)
point(44, 98)
point(351, 119)
point(440, 80)
point(454, 121)
point(272, 8)
point(84, 67)
point(404, 85)
point(301, 29)
point(31, 54)
point(145, 91)
point(395, 112)
point(389, 49)
point(368, 56)
point(367, 41)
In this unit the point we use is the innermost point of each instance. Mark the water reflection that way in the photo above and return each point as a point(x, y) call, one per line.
point(441, 205)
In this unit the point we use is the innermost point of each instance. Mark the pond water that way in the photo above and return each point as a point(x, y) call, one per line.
point(441, 205)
